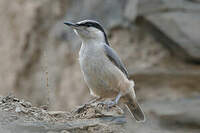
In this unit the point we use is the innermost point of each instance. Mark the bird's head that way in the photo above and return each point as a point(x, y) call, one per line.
point(89, 30)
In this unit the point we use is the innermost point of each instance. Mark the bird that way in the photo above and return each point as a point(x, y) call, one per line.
point(103, 71)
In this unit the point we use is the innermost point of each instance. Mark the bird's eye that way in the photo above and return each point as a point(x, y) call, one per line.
point(88, 25)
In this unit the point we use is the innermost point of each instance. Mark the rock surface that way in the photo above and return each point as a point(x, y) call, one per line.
point(17, 117)
point(176, 25)
point(179, 116)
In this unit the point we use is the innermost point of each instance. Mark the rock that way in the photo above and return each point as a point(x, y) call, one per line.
point(177, 30)
point(169, 116)
point(19, 43)
point(38, 120)
point(131, 10)
point(179, 114)
point(182, 29)
point(18, 109)
point(27, 104)
point(146, 7)
point(110, 11)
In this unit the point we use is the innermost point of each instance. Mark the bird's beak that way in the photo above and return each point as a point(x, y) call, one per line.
point(72, 25)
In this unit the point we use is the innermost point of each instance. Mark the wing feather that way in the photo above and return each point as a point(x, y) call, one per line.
point(112, 55)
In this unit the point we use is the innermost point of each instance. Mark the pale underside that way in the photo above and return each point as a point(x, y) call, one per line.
point(102, 76)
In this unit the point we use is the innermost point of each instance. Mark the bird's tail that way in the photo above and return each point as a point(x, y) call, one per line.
point(134, 107)
point(136, 111)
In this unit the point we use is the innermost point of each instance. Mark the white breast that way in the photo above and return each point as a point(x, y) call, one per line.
point(100, 74)
point(94, 66)
point(92, 59)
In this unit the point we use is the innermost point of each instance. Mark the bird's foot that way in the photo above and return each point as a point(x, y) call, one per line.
point(109, 104)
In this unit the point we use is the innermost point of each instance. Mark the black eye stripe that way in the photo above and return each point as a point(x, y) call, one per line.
point(86, 24)
point(92, 24)
point(95, 25)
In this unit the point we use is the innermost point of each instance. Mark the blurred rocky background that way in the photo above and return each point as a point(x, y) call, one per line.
point(158, 41)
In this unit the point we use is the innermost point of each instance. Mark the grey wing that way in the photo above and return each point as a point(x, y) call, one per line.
point(112, 55)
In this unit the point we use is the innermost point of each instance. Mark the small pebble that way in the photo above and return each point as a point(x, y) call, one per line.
point(4, 100)
point(6, 109)
point(18, 109)
point(15, 100)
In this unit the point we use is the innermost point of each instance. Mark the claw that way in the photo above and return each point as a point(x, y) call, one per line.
point(108, 104)
point(111, 103)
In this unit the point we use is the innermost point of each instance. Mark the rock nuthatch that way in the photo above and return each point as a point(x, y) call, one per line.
point(103, 70)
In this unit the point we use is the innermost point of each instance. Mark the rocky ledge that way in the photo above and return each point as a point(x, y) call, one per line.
point(20, 116)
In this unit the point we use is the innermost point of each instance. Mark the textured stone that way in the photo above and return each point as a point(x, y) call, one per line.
point(131, 10)
point(26, 26)
point(109, 13)
point(183, 31)
point(176, 24)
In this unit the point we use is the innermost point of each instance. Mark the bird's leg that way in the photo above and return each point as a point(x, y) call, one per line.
point(112, 103)
point(117, 98)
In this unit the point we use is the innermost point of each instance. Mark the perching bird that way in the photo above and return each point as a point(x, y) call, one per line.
point(103, 70)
